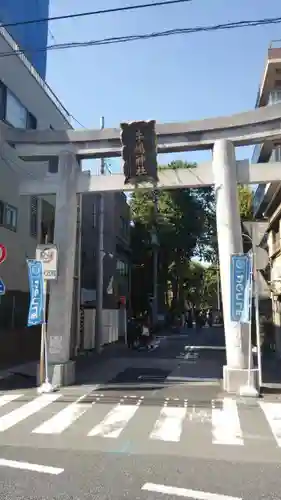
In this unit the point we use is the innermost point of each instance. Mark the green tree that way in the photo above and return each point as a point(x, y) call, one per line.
point(200, 285)
point(184, 225)
point(245, 196)
point(210, 286)
point(186, 228)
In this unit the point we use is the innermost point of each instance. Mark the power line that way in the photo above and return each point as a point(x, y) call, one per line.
point(96, 12)
point(147, 36)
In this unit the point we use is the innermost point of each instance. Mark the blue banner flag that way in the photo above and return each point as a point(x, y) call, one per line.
point(36, 290)
point(241, 288)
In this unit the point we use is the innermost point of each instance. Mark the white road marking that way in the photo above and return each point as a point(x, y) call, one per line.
point(25, 411)
point(62, 420)
point(115, 421)
point(183, 492)
point(205, 347)
point(272, 413)
point(8, 398)
point(45, 469)
point(226, 429)
point(169, 425)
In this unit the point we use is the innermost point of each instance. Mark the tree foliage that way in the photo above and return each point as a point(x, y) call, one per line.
point(201, 285)
point(186, 228)
point(245, 197)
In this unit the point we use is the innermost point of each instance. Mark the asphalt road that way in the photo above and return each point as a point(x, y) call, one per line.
point(104, 476)
point(143, 434)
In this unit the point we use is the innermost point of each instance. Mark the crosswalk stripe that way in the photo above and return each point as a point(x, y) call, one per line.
point(62, 420)
point(168, 427)
point(25, 411)
point(9, 398)
point(272, 413)
point(226, 429)
point(115, 421)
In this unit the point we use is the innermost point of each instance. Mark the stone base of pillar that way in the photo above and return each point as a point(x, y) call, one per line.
point(60, 374)
point(234, 379)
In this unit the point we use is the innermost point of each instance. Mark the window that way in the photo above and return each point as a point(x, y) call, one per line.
point(10, 217)
point(16, 113)
point(274, 96)
point(277, 154)
point(31, 122)
point(122, 267)
point(33, 216)
point(13, 111)
point(53, 167)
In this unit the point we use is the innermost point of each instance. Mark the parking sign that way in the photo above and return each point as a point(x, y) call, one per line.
point(48, 255)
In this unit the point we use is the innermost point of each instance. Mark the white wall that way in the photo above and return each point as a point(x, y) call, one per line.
point(110, 327)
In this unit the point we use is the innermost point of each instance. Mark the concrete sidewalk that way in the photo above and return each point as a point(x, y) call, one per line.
point(27, 369)
point(87, 363)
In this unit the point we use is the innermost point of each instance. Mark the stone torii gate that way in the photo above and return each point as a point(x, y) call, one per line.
point(221, 135)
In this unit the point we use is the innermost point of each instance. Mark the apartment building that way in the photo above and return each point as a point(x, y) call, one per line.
point(117, 251)
point(26, 101)
point(267, 197)
point(15, 13)
point(116, 261)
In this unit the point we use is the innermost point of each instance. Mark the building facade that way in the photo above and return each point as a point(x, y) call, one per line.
point(25, 102)
point(267, 197)
point(28, 36)
point(116, 267)
point(116, 236)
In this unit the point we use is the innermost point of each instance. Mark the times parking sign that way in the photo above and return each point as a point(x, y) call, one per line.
point(48, 255)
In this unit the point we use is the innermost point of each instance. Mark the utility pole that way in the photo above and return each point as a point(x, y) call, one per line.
point(155, 261)
point(99, 264)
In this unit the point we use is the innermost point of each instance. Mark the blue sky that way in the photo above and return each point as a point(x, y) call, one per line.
point(177, 78)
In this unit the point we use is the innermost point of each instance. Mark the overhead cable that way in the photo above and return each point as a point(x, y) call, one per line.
point(147, 36)
point(96, 12)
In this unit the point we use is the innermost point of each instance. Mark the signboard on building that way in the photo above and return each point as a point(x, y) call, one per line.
point(241, 288)
point(48, 255)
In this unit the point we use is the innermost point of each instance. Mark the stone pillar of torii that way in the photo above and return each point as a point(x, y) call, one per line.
point(68, 182)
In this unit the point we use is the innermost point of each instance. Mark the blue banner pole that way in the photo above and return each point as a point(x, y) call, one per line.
point(46, 386)
point(250, 314)
point(36, 306)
